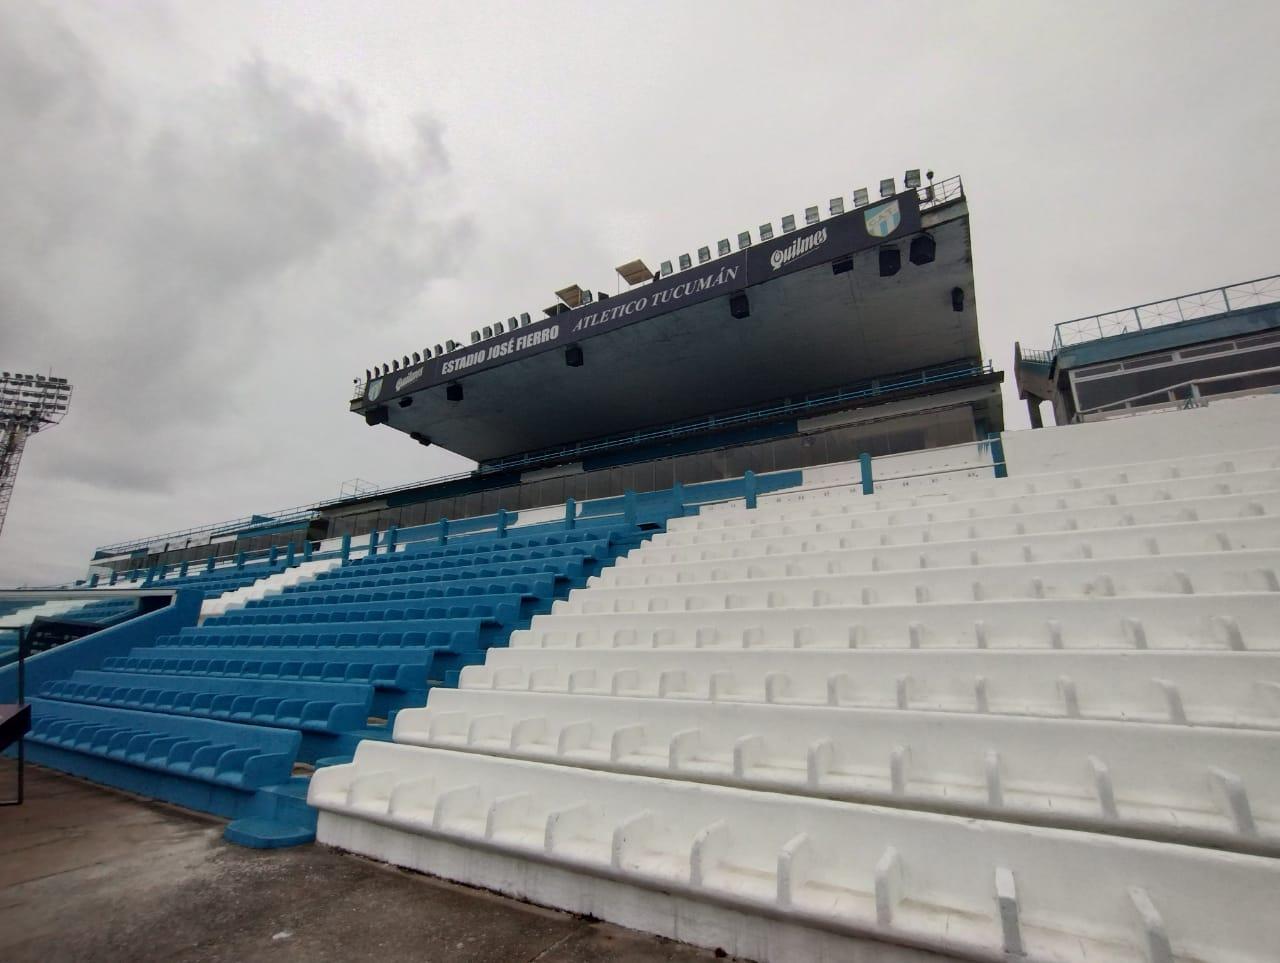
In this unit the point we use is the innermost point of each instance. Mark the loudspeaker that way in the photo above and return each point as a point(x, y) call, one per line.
point(406, 401)
point(739, 306)
point(842, 266)
point(573, 356)
point(453, 392)
point(923, 248)
point(376, 416)
point(890, 261)
point(420, 438)
point(957, 299)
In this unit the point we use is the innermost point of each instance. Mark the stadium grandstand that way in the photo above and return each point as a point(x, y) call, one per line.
point(753, 627)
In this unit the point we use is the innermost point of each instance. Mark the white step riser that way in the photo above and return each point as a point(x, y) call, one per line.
point(1173, 622)
point(1225, 689)
point(824, 556)
point(965, 489)
point(848, 503)
point(1221, 784)
point(971, 886)
point(899, 529)
point(1159, 575)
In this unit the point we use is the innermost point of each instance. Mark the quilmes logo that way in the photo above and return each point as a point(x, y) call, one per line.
point(883, 220)
point(801, 245)
point(375, 389)
point(409, 379)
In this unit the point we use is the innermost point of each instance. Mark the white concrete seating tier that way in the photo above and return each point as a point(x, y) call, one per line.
point(1060, 772)
point(983, 503)
point(644, 847)
point(755, 587)
point(808, 557)
point(1182, 688)
point(1027, 718)
point(901, 527)
point(953, 489)
point(1240, 621)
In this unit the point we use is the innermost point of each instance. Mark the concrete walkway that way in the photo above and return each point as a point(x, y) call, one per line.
point(92, 874)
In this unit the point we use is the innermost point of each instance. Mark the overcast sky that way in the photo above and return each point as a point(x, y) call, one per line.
point(213, 216)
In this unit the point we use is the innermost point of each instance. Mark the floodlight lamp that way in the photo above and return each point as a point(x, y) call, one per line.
point(911, 179)
point(788, 223)
point(685, 262)
point(665, 268)
point(416, 357)
point(744, 240)
point(722, 247)
point(525, 321)
point(810, 216)
point(488, 331)
point(704, 254)
point(475, 336)
point(512, 323)
point(766, 232)
point(887, 187)
point(497, 328)
point(837, 206)
point(395, 365)
point(406, 361)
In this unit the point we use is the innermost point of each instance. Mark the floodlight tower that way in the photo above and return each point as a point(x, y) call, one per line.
point(28, 403)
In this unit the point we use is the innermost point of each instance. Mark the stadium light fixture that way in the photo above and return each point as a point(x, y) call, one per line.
point(572, 295)
point(665, 268)
point(368, 375)
point(911, 179)
point(525, 321)
point(512, 323)
point(686, 262)
point(475, 337)
point(395, 365)
point(704, 254)
point(744, 240)
point(836, 206)
point(788, 223)
point(861, 198)
point(406, 362)
point(810, 216)
point(890, 260)
point(587, 297)
point(722, 247)
point(634, 272)
point(887, 187)
point(766, 232)
point(417, 357)
point(488, 331)
point(439, 350)
point(923, 249)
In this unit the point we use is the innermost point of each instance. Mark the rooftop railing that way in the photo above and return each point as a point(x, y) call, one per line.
point(1187, 307)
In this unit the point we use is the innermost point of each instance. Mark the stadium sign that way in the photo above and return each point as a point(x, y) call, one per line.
point(795, 251)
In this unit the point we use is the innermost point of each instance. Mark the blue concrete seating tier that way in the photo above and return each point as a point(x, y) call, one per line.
point(506, 607)
point(238, 756)
point(323, 663)
point(313, 706)
point(101, 613)
point(391, 668)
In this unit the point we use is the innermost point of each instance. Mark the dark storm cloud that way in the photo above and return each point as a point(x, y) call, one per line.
point(163, 259)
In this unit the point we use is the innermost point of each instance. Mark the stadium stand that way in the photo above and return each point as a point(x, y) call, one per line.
point(1033, 716)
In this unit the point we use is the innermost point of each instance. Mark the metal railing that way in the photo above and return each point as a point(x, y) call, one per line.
point(1036, 356)
point(1187, 307)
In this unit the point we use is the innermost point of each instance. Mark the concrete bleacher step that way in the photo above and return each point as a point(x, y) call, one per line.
point(271, 585)
point(827, 557)
point(848, 533)
point(860, 510)
point(1234, 621)
point(738, 863)
point(1231, 689)
point(1079, 578)
point(1222, 788)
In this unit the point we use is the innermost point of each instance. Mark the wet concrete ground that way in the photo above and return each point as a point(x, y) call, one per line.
point(90, 874)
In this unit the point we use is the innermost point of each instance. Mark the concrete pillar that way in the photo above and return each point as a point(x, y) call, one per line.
point(570, 513)
point(864, 464)
point(444, 531)
point(750, 487)
point(346, 549)
point(1033, 412)
point(502, 523)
